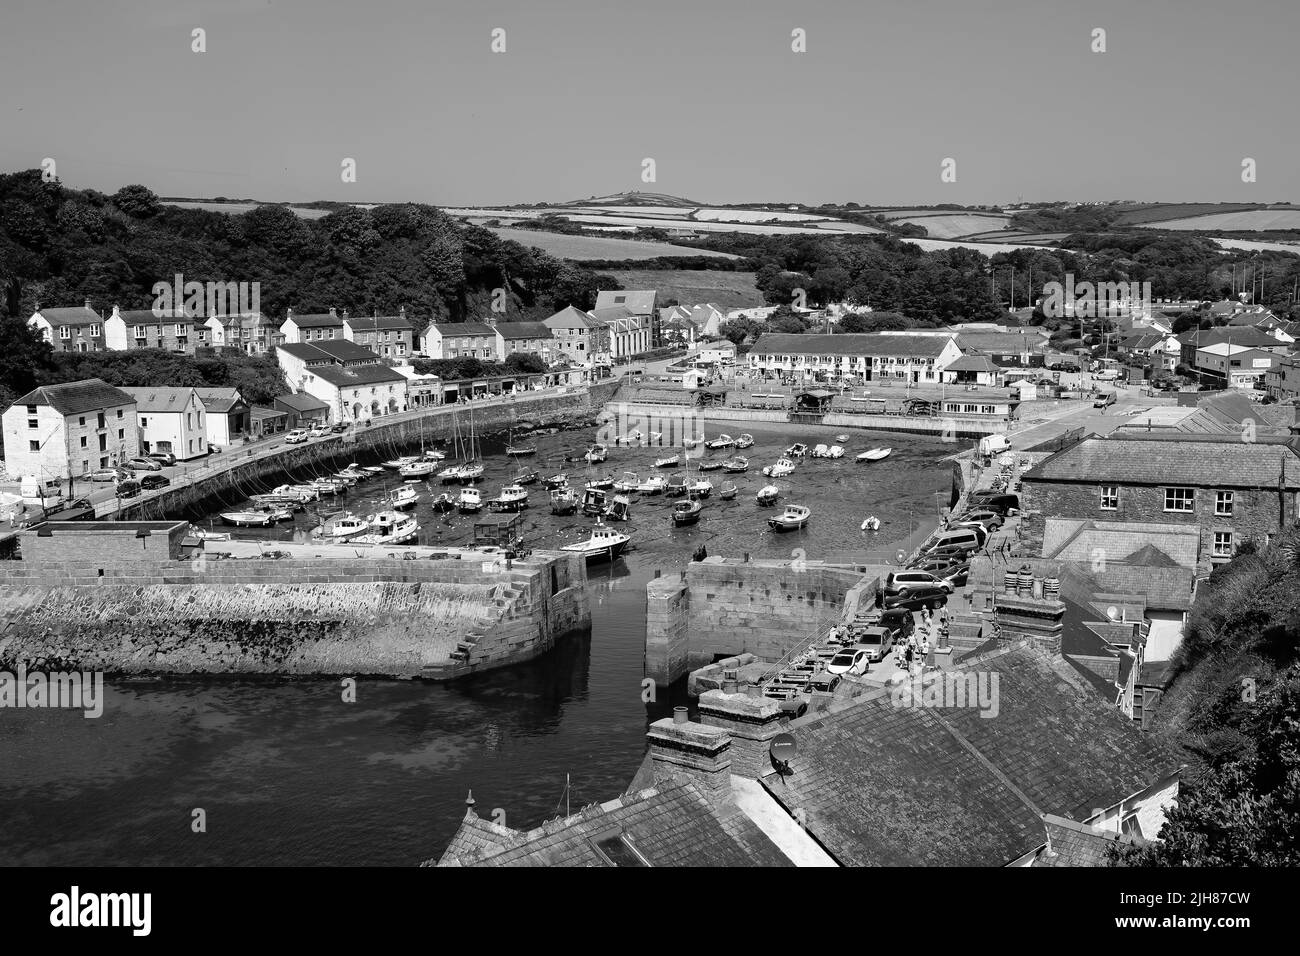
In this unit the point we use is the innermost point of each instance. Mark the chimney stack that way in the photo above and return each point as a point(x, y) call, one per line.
point(88, 304)
point(683, 749)
point(333, 314)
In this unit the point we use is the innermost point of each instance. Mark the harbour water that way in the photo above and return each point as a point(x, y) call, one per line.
point(287, 773)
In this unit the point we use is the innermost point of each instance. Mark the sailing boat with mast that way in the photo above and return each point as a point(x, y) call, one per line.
point(451, 473)
point(517, 451)
point(472, 470)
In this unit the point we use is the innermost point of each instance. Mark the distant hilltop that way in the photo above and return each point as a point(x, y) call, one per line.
point(634, 198)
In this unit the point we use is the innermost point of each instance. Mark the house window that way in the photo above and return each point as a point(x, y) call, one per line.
point(144, 422)
point(1223, 544)
point(1223, 503)
point(34, 446)
point(83, 441)
point(65, 332)
point(93, 331)
point(82, 420)
point(121, 434)
point(1180, 499)
point(119, 413)
point(617, 849)
point(33, 423)
point(1109, 497)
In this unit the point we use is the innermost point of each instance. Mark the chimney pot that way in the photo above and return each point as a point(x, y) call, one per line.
point(680, 715)
point(333, 312)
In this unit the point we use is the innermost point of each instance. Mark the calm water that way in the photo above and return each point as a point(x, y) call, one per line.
point(288, 774)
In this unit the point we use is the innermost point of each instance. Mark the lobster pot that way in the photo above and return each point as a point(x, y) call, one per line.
point(1052, 588)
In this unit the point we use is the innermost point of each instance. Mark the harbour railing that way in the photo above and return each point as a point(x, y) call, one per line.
point(800, 648)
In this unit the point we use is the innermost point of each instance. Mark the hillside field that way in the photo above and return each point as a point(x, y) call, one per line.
point(727, 290)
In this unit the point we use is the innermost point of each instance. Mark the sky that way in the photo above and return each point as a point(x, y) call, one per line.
point(711, 90)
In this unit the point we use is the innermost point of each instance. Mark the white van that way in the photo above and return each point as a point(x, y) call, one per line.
point(994, 444)
point(971, 538)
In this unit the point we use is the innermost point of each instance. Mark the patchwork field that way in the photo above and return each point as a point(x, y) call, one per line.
point(601, 247)
point(727, 290)
point(1253, 220)
point(237, 208)
point(955, 226)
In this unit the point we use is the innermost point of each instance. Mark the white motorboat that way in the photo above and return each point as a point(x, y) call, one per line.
point(471, 472)
point(841, 438)
point(394, 463)
point(605, 544)
point(871, 524)
point(304, 492)
point(722, 441)
point(417, 469)
point(629, 482)
point(204, 535)
point(876, 454)
point(389, 527)
point(797, 450)
point(511, 498)
point(247, 519)
point(469, 501)
point(767, 495)
point(654, 485)
point(699, 488)
point(450, 474)
point(328, 486)
point(596, 454)
point(670, 461)
point(835, 451)
point(343, 526)
point(737, 464)
point(434, 455)
point(821, 451)
point(783, 467)
point(792, 519)
point(745, 441)
point(404, 497)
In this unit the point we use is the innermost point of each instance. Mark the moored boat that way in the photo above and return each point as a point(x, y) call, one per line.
point(677, 484)
point(767, 495)
point(711, 465)
point(471, 472)
point(792, 519)
point(342, 526)
point(653, 485)
point(388, 527)
point(722, 441)
point(686, 511)
point(246, 519)
point(783, 467)
point(204, 535)
point(620, 508)
point(875, 454)
point(558, 480)
point(604, 482)
point(745, 441)
point(511, 498)
point(395, 463)
point(737, 464)
point(629, 482)
point(596, 454)
point(728, 490)
point(605, 544)
point(528, 476)
point(699, 488)
point(403, 497)
point(797, 450)
point(519, 451)
point(668, 461)
point(564, 501)
point(444, 502)
point(841, 438)
point(417, 469)
point(470, 501)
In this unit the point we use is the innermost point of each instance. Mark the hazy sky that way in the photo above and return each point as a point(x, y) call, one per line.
point(710, 89)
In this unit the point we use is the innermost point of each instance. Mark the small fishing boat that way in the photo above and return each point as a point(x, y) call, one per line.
point(821, 451)
point(519, 451)
point(450, 474)
point(871, 524)
point(722, 441)
point(699, 488)
point(444, 502)
point(711, 465)
point(328, 486)
point(564, 501)
point(395, 463)
point(686, 512)
point(471, 472)
point(290, 501)
point(372, 470)
point(835, 451)
point(594, 502)
point(629, 482)
point(670, 461)
point(596, 454)
point(604, 483)
point(792, 519)
point(302, 492)
point(342, 526)
point(277, 513)
point(403, 497)
point(620, 509)
point(511, 498)
point(559, 480)
point(654, 485)
point(205, 535)
point(605, 544)
point(246, 519)
point(728, 490)
point(690, 442)
point(745, 441)
point(470, 501)
point(736, 465)
point(417, 469)
point(767, 495)
point(347, 480)
point(389, 527)
point(876, 454)
point(434, 455)
point(797, 450)
point(528, 476)
point(783, 467)
point(841, 438)
point(677, 484)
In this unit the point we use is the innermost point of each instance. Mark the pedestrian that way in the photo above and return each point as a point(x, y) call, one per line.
point(834, 635)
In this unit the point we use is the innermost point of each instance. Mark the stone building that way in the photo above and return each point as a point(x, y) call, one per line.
point(64, 431)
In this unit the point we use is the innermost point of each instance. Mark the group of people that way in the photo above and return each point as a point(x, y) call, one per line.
point(911, 655)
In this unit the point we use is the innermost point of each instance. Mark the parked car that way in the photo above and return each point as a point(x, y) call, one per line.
point(102, 474)
point(150, 482)
point(986, 518)
point(1003, 502)
point(931, 596)
point(904, 582)
point(876, 641)
point(128, 488)
point(318, 431)
point(898, 621)
point(296, 436)
point(939, 565)
point(1104, 399)
point(339, 427)
point(143, 464)
point(958, 574)
point(851, 660)
point(164, 458)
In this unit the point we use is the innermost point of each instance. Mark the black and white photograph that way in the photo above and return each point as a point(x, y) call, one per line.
point(734, 434)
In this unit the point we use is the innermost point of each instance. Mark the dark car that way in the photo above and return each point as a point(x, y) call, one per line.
point(1001, 502)
point(939, 566)
point(919, 597)
point(164, 458)
point(150, 482)
point(986, 517)
point(339, 427)
point(128, 488)
point(957, 574)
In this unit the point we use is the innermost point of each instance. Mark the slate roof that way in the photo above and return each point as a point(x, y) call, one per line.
point(219, 400)
point(379, 323)
point(148, 316)
point(1070, 843)
point(571, 318)
point(338, 350)
point(884, 785)
point(615, 313)
point(462, 329)
point(1124, 583)
point(973, 363)
point(71, 316)
point(1142, 342)
point(514, 331)
point(259, 413)
point(349, 376)
point(75, 398)
point(1066, 539)
point(849, 343)
point(300, 402)
point(1000, 342)
point(639, 302)
point(318, 320)
point(158, 399)
point(1205, 464)
point(1250, 337)
point(670, 824)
